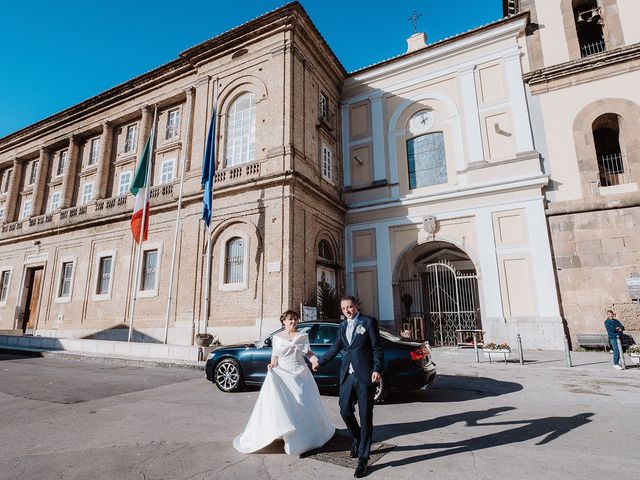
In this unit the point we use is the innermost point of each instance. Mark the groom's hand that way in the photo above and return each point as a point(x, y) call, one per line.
point(375, 377)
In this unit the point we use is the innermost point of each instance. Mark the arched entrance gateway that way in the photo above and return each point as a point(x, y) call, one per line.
point(436, 294)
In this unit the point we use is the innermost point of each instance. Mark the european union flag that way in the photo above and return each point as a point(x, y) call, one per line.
point(209, 170)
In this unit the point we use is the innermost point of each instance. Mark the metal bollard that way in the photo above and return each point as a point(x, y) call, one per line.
point(475, 347)
point(623, 364)
point(568, 352)
point(520, 349)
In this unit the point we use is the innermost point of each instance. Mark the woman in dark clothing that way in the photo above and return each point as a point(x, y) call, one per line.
point(614, 330)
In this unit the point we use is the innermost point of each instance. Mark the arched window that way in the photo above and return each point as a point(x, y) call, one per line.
point(426, 160)
point(324, 250)
point(241, 131)
point(611, 161)
point(589, 26)
point(234, 261)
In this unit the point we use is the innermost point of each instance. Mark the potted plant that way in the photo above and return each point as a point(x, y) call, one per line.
point(500, 351)
point(204, 339)
point(634, 353)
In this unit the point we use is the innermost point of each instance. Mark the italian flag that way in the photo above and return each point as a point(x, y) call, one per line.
point(140, 188)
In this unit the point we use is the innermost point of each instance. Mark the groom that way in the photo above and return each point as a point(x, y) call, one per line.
point(362, 361)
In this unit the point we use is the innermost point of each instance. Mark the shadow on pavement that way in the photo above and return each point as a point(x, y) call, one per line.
point(453, 388)
point(524, 430)
point(9, 354)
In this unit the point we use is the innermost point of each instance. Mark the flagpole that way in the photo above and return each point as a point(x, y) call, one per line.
point(142, 227)
point(175, 244)
point(207, 294)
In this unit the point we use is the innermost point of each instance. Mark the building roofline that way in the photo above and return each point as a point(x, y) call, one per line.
point(185, 63)
point(440, 43)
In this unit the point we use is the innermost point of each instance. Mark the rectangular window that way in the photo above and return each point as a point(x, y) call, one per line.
point(327, 162)
point(87, 193)
point(149, 266)
point(173, 122)
point(34, 172)
point(104, 275)
point(62, 162)
point(4, 285)
point(1, 214)
point(65, 280)
point(426, 160)
point(130, 142)
point(124, 183)
point(26, 210)
point(168, 171)
point(6, 178)
point(55, 201)
point(93, 152)
point(234, 261)
point(324, 106)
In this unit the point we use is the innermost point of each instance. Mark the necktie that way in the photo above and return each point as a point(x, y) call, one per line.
point(350, 325)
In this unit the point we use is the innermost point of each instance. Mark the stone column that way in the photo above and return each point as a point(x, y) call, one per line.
point(39, 202)
point(144, 127)
point(186, 128)
point(69, 174)
point(104, 161)
point(377, 130)
point(519, 109)
point(201, 116)
point(471, 115)
point(13, 194)
point(346, 150)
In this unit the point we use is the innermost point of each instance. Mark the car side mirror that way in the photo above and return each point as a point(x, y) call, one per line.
point(264, 343)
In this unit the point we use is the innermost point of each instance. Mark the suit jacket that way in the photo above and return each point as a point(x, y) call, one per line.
point(364, 352)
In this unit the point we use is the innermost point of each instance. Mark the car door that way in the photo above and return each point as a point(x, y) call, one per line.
point(324, 336)
point(262, 356)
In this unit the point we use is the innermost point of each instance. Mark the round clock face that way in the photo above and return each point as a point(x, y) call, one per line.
point(422, 121)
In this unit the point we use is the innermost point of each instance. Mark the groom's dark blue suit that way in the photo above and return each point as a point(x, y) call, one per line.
point(364, 353)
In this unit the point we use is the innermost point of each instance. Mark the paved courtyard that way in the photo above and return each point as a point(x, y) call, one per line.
point(71, 419)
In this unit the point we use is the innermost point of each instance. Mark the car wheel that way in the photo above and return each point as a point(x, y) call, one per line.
point(228, 375)
point(382, 390)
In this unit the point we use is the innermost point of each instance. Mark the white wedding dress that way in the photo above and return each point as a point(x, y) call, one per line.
point(289, 404)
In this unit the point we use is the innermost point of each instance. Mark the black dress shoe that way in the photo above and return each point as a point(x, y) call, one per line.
point(361, 469)
point(354, 450)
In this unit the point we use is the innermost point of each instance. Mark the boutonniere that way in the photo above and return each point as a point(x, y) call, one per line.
point(360, 330)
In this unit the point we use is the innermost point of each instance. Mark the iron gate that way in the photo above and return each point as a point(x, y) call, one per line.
point(439, 302)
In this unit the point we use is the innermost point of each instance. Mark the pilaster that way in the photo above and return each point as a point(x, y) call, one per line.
point(69, 174)
point(186, 127)
point(104, 160)
point(471, 115)
point(41, 181)
point(14, 191)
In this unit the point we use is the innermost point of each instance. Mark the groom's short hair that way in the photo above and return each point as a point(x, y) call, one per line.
point(347, 298)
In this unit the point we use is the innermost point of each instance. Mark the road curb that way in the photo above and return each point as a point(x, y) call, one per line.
point(106, 358)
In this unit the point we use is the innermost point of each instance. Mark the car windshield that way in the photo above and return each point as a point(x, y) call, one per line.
point(266, 342)
point(390, 336)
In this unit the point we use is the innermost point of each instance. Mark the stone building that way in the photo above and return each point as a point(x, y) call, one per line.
point(584, 60)
point(66, 250)
point(446, 225)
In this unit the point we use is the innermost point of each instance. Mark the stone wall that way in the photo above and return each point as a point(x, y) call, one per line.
point(595, 252)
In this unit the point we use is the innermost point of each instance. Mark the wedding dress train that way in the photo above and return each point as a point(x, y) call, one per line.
point(289, 404)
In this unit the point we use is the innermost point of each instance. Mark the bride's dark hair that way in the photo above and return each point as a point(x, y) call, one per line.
point(288, 313)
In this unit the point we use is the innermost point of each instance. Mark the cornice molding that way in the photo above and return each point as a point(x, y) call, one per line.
point(582, 65)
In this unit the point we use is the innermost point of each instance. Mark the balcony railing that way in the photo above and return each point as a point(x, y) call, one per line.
point(593, 48)
point(614, 170)
point(237, 173)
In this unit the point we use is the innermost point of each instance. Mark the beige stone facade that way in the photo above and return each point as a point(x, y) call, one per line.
point(446, 230)
point(584, 107)
point(67, 255)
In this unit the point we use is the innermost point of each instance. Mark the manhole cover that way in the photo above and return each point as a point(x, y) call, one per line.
point(337, 450)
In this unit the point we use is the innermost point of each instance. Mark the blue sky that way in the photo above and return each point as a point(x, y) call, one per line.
point(56, 54)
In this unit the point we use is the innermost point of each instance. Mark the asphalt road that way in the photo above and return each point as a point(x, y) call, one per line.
point(71, 419)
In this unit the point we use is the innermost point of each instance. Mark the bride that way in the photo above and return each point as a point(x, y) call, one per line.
point(289, 405)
